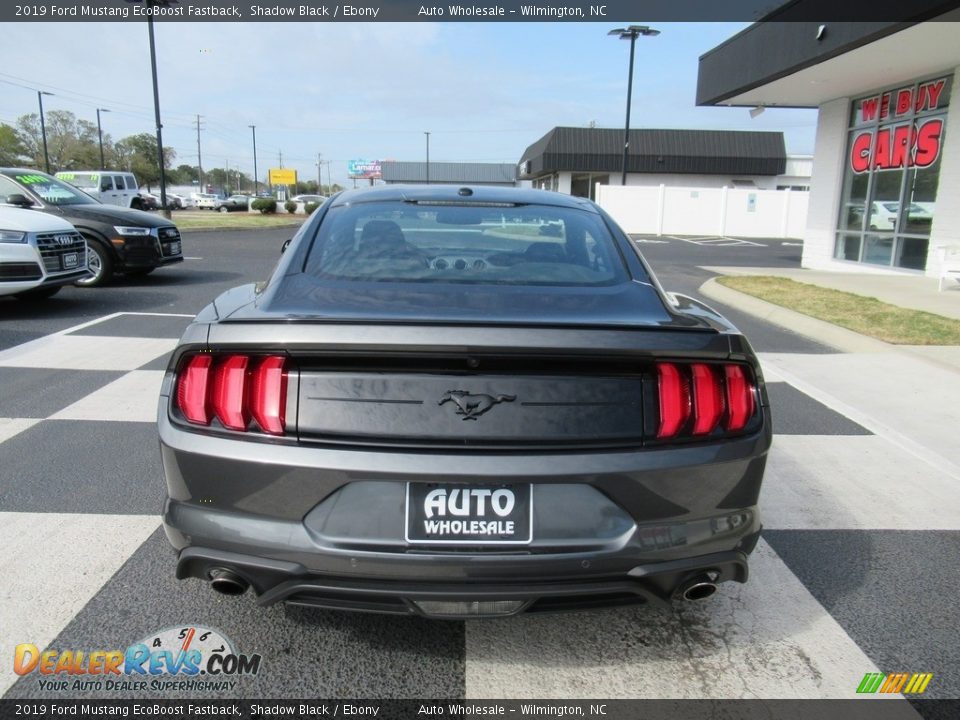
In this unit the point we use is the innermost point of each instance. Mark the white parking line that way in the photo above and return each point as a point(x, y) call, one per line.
point(767, 639)
point(42, 591)
point(130, 398)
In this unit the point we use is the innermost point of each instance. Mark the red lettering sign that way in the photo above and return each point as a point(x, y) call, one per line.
point(926, 97)
point(897, 147)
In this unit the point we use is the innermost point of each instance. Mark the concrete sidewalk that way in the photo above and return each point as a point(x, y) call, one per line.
point(907, 394)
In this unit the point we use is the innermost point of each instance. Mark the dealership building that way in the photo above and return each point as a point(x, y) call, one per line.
point(574, 160)
point(885, 178)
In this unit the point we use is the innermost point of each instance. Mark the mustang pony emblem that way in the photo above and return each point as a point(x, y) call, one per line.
point(473, 406)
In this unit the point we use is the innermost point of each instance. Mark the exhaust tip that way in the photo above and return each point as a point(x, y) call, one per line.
point(698, 589)
point(227, 582)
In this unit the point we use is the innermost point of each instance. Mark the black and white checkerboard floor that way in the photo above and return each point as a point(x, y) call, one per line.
point(853, 574)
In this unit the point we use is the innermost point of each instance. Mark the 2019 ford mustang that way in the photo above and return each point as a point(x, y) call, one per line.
point(462, 402)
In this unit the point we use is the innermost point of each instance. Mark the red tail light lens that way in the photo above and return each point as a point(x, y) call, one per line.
point(268, 396)
point(229, 392)
point(739, 397)
point(713, 396)
point(192, 389)
point(674, 400)
point(234, 389)
point(707, 399)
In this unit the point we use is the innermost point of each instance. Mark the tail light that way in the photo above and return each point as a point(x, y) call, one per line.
point(697, 399)
point(243, 392)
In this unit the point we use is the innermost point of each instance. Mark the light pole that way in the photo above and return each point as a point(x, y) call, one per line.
point(631, 33)
point(255, 187)
point(329, 184)
point(428, 157)
point(43, 129)
point(100, 137)
point(319, 174)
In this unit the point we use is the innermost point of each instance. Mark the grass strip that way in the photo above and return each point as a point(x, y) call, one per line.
point(206, 220)
point(865, 315)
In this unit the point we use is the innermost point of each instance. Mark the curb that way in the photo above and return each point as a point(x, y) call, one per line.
point(238, 229)
point(819, 330)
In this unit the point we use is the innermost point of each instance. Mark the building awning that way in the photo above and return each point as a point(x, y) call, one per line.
point(711, 152)
point(804, 64)
point(452, 173)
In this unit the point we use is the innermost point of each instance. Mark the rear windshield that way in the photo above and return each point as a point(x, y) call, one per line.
point(465, 243)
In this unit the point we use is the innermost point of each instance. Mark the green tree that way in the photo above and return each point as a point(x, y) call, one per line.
point(12, 149)
point(71, 143)
point(138, 154)
point(184, 175)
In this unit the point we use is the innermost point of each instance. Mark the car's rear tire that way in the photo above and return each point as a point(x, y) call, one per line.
point(100, 263)
point(38, 294)
point(224, 208)
point(137, 204)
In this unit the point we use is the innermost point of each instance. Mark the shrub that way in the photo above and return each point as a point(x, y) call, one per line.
point(264, 205)
point(310, 207)
point(290, 206)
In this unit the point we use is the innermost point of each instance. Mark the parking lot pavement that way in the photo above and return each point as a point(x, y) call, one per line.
point(851, 576)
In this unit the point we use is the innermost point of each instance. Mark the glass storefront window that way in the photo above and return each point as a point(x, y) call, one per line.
point(891, 174)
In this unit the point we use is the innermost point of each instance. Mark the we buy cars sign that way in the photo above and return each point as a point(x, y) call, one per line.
point(912, 144)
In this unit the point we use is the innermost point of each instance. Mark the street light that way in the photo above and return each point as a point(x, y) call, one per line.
point(631, 33)
point(156, 96)
point(255, 187)
point(428, 157)
point(43, 129)
point(100, 137)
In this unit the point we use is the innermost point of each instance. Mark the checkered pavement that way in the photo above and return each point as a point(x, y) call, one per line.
point(849, 577)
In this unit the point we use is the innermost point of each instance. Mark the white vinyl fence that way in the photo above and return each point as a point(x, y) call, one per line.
point(726, 212)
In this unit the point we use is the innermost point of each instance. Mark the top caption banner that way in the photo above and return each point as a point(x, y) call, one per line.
point(484, 11)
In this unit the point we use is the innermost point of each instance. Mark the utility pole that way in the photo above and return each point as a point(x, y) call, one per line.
point(255, 187)
point(428, 157)
point(156, 108)
point(100, 136)
point(43, 129)
point(319, 176)
point(199, 160)
point(280, 153)
point(329, 184)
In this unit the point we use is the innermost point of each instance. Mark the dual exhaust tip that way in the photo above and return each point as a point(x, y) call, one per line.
point(698, 588)
point(227, 582)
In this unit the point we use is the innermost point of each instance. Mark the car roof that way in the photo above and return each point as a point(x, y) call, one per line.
point(453, 193)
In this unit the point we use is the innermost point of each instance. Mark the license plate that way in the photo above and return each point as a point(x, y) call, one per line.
point(70, 260)
point(442, 514)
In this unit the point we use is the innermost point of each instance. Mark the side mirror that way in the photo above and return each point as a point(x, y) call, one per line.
point(286, 244)
point(19, 199)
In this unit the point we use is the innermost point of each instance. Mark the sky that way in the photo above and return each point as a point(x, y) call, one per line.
point(485, 91)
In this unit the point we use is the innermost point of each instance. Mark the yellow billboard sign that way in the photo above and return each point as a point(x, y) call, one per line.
point(283, 176)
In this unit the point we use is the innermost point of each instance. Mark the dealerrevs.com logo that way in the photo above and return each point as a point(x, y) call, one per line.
point(190, 658)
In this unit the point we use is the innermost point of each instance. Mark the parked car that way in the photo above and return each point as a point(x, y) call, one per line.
point(234, 202)
point(175, 202)
point(883, 216)
point(206, 201)
point(111, 187)
point(39, 254)
point(432, 408)
point(119, 239)
point(309, 199)
point(149, 201)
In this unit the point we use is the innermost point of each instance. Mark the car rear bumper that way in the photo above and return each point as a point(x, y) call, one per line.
point(646, 584)
point(324, 525)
